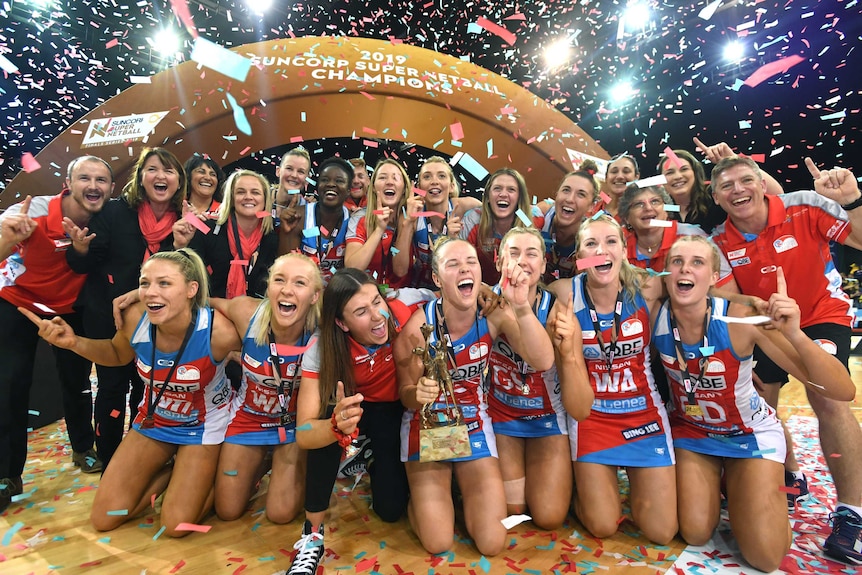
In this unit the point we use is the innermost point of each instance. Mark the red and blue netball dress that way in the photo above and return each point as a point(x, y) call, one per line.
point(423, 248)
point(325, 247)
point(628, 424)
point(470, 353)
point(720, 413)
point(560, 259)
point(193, 407)
point(263, 411)
point(380, 266)
point(524, 402)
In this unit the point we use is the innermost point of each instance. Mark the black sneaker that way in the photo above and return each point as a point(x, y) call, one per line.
point(88, 461)
point(845, 542)
point(9, 488)
point(309, 551)
point(800, 485)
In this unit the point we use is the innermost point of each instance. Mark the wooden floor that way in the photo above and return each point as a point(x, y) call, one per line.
point(48, 531)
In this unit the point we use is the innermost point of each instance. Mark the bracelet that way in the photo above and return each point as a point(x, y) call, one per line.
point(344, 439)
point(853, 205)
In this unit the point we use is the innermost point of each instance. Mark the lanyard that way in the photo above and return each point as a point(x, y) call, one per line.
point(690, 382)
point(275, 360)
point(151, 404)
point(432, 237)
point(611, 350)
point(443, 333)
point(386, 255)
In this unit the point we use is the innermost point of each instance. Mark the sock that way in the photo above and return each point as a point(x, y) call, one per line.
point(854, 508)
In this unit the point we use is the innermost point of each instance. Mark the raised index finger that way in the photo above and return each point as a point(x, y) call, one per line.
point(782, 283)
point(31, 316)
point(812, 168)
point(25, 205)
point(703, 148)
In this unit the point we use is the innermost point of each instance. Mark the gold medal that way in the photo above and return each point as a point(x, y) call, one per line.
point(693, 411)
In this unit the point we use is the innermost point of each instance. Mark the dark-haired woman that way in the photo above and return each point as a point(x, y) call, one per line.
point(575, 198)
point(205, 185)
point(123, 236)
point(178, 345)
point(321, 230)
point(468, 337)
point(619, 173)
point(348, 383)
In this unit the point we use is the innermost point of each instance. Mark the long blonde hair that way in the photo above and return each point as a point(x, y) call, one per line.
point(228, 206)
point(631, 278)
point(261, 333)
point(371, 202)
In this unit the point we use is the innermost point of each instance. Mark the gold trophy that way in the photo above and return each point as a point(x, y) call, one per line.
point(442, 432)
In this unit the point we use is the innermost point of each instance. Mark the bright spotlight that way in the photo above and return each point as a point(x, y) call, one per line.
point(166, 42)
point(636, 16)
point(558, 53)
point(258, 6)
point(622, 92)
point(734, 51)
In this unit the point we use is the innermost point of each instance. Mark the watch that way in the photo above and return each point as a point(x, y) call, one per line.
point(853, 205)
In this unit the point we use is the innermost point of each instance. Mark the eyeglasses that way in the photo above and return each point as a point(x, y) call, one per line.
point(654, 203)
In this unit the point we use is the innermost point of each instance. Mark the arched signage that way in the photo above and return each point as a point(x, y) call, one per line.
point(310, 88)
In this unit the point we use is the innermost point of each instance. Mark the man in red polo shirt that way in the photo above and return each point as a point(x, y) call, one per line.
point(793, 231)
point(34, 275)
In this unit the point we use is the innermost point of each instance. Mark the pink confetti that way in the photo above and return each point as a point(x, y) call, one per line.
point(291, 350)
point(115, 413)
point(181, 9)
point(377, 212)
point(193, 527)
point(111, 43)
point(605, 198)
point(497, 30)
point(457, 131)
point(29, 163)
point(262, 215)
point(419, 192)
point(767, 71)
point(196, 222)
point(591, 262)
point(177, 567)
point(671, 155)
point(428, 214)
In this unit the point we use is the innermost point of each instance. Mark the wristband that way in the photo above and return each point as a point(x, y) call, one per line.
point(344, 439)
point(853, 205)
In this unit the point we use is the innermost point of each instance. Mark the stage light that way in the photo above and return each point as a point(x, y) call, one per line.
point(166, 42)
point(259, 6)
point(622, 92)
point(636, 16)
point(558, 53)
point(734, 51)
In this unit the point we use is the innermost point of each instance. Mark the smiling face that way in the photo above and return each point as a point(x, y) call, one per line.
point(332, 186)
point(248, 197)
point(691, 265)
point(160, 182)
point(680, 180)
point(164, 291)
point(294, 287)
point(292, 173)
point(389, 186)
point(618, 176)
point(603, 239)
point(204, 182)
point(435, 178)
point(526, 250)
point(359, 183)
point(645, 207)
point(90, 185)
point(503, 196)
point(573, 200)
point(740, 191)
point(458, 273)
point(365, 315)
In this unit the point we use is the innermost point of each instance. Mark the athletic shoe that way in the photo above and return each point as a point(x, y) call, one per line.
point(88, 461)
point(845, 542)
point(9, 488)
point(801, 485)
point(309, 551)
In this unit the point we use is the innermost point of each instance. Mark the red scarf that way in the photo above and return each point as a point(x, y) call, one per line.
point(237, 281)
point(153, 229)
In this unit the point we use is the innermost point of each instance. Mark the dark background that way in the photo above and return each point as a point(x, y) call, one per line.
point(684, 87)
